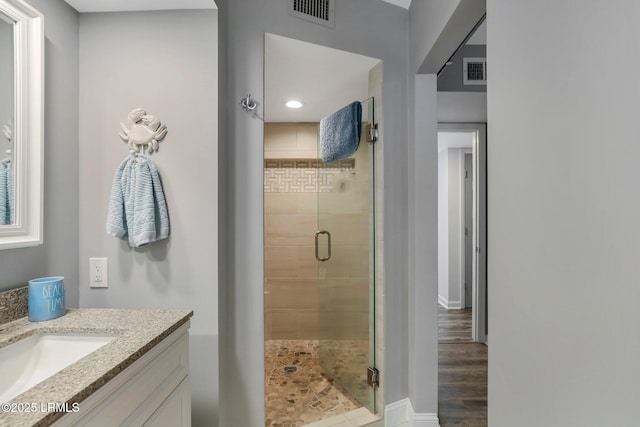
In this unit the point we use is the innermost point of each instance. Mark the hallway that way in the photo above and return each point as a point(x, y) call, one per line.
point(462, 372)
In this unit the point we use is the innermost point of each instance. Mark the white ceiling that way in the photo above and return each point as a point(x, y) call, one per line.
point(323, 79)
point(131, 5)
point(480, 36)
point(401, 3)
point(135, 5)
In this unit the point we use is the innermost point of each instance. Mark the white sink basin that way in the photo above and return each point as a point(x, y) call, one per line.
point(32, 360)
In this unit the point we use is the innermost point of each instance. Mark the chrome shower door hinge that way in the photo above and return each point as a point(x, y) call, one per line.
point(373, 377)
point(372, 132)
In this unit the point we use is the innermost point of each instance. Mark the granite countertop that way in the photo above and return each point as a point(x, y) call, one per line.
point(136, 331)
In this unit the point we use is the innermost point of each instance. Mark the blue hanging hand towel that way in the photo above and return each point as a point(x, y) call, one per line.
point(340, 133)
point(7, 194)
point(137, 207)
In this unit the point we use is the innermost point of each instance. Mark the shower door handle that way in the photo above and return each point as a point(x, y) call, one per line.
point(328, 257)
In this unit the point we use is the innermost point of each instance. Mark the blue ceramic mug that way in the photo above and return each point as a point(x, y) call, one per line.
point(46, 298)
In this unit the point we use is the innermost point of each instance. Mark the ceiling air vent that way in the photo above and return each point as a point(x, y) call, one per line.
point(318, 11)
point(474, 71)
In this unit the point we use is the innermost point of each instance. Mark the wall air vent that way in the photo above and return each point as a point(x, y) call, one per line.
point(474, 71)
point(318, 11)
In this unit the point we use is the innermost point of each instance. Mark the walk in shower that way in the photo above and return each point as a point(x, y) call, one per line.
point(320, 353)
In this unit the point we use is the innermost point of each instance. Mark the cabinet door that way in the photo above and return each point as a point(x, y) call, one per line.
point(139, 392)
point(176, 410)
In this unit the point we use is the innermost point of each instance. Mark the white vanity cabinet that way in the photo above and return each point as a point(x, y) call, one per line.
point(154, 390)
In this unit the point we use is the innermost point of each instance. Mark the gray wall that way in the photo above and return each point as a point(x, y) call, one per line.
point(435, 30)
point(563, 204)
point(443, 224)
point(165, 62)
point(452, 78)
point(450, 221)
point(428, 19)
point(368, 27)
point(59, 254)
point(462, 107)
point(423, 248)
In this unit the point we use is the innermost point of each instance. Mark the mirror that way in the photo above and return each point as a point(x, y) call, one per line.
point(21, 121)
point(7, 102)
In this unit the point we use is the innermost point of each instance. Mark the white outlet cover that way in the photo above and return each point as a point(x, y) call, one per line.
point(103, 264)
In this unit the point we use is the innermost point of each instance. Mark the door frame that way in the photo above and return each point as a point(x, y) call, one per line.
point(479, 261)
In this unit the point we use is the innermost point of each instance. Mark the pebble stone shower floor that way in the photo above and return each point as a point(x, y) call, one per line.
point(297, 392)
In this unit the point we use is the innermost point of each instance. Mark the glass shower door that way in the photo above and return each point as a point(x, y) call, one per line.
point(346, 291)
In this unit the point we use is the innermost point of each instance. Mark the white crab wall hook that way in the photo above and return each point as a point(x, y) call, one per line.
point(142, 132)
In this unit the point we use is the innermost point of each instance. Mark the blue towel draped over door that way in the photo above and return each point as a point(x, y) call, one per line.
point(137, 207)
point(340, 133)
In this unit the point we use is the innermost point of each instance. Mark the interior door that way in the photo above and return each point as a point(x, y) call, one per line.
point(468, 230)
point(345, 245)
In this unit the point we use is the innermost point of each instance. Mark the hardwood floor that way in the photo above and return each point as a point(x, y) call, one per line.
point(462, 372)
point(454, 326)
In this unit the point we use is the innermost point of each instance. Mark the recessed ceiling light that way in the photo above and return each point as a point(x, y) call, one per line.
point(293, 104)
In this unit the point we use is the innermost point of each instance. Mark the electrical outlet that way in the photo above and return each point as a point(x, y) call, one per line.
point(98, 272)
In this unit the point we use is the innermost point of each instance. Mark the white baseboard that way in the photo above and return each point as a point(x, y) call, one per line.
point(397, 413)
point(449, 305)
point(454, 305)
point(401, 413)
point(426, 420)
point(443, 301)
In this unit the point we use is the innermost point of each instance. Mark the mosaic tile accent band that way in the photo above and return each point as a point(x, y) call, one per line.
point(308, 164)
point(302, 175)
